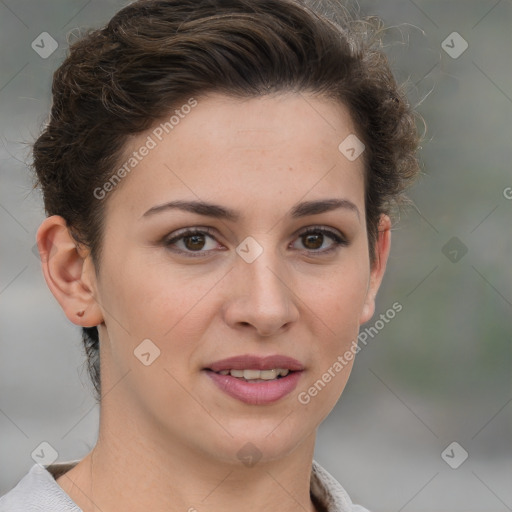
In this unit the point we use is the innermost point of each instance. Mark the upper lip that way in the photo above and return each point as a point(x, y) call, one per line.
point(253, 362)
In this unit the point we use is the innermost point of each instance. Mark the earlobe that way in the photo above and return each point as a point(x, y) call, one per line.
point(64, 270)
point(382, 248)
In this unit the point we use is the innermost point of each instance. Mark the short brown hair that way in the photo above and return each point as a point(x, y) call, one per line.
point(155, 54)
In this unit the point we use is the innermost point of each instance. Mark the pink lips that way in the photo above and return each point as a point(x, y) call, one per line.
point(256, 393)
point(249, 362)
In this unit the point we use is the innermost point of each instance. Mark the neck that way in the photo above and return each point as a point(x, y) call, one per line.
point(125, 471)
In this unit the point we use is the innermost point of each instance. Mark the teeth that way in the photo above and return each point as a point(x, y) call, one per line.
point(257, 374)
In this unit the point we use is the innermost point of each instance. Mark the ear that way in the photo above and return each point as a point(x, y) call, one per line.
point(69, 272)
point(378, 267)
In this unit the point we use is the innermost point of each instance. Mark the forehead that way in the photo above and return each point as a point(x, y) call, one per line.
point(241, 150)
point(264, 123)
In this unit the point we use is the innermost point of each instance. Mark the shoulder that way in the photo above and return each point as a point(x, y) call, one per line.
point(330, 493)
point(38, 491)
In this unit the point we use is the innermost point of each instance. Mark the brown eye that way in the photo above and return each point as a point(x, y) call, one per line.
point(320, 240)
point(313, 241)
point(194, 242)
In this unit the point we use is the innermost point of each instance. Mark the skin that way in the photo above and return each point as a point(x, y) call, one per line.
point(168, 437)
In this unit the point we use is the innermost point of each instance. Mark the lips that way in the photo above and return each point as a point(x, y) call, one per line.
point(256, 392)
point(253, 362)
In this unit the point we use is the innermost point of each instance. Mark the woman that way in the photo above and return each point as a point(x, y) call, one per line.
point(218, 178)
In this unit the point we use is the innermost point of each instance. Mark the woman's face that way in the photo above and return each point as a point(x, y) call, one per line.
point(249, 279)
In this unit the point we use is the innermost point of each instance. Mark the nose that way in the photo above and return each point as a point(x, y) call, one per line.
point(262, 297)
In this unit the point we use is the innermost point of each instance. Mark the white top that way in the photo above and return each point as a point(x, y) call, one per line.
point(38, 491)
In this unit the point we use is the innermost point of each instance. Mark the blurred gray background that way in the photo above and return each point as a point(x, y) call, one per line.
point(438, 373)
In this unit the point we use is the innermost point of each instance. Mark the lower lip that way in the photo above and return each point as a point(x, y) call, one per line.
point(256, 393)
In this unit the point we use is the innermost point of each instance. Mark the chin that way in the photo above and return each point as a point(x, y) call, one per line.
point(265, 440)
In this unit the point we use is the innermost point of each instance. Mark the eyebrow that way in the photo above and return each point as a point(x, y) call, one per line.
point(221, 212)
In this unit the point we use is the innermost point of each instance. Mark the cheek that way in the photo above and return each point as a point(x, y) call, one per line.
point(336, 309)
point(168, 304)
point(340, 298)
point(148, 302)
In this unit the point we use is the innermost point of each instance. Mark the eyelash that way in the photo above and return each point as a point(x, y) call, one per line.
point(338, 241)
